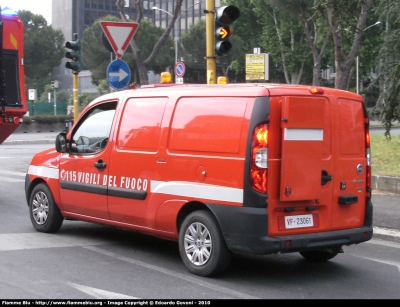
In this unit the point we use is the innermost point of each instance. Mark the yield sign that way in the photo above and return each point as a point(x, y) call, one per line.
point(119, 34)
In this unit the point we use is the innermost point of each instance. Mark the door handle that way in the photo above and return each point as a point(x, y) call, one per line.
point(100, 165)
point(325, 177)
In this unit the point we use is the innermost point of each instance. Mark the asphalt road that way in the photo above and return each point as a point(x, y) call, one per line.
point(84, 261)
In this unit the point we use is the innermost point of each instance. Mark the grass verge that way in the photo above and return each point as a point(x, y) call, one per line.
point(385, 155)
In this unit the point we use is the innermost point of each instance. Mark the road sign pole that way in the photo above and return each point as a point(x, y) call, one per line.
point(55, 102)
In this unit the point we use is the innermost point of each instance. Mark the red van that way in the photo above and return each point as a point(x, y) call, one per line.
point(221, 169)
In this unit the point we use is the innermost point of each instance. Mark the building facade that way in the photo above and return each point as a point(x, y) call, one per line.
point(191, 12)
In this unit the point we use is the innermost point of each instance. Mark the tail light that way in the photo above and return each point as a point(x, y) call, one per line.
point(259, 159)
point(368, 157)
point(12, 120)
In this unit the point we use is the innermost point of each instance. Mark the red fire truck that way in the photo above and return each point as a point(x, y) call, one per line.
point(12, 83)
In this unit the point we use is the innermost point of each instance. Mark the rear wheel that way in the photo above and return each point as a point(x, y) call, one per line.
point(202, 246)
point(44, 213)
point(319, 256)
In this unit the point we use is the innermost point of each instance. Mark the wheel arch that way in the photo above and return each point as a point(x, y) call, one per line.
point(30, 185)
point(189, 208)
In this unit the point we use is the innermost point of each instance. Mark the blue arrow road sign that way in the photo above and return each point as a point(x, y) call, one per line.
point(118, 74)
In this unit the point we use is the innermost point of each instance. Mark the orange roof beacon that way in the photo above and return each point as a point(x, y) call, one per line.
point(221, 169)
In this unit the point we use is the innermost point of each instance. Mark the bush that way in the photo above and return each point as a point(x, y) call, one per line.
point(47, 119)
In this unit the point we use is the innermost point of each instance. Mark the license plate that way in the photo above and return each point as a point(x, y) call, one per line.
point(299, 221)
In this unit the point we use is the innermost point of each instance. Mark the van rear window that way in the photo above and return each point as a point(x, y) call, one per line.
point(351, 127)
point(207, 124)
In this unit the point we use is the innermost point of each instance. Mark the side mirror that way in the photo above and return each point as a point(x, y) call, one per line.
point(61, 142)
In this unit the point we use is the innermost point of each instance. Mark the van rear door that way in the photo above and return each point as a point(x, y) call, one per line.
point(323, 147)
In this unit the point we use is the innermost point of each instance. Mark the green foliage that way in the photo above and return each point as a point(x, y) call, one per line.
point(374, 113)
point(45, 94)
point(192, 44)
point(192, 48)
point(85, 99)
point(96, 57)
point(389, 54)
point(44, 50)
point(62, 95)
point(146, 38)
point(103, 87)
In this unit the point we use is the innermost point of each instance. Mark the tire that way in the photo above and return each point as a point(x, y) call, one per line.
point(44, 213)
point(202, 246)
point(319, 256)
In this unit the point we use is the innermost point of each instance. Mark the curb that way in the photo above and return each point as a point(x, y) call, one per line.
point(386, 183)
point(36, 141)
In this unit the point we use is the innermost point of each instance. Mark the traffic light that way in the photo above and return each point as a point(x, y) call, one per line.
point(74, 54)
point(224, 17)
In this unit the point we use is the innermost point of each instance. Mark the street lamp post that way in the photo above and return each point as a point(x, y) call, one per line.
point(176, 37)
point(357, 59)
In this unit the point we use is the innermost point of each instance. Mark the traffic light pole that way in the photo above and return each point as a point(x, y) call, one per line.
point(210, 41)
point(75, 66)
point(76, 97)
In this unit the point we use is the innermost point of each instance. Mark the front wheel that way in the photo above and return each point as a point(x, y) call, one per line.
point(202, 246)
point(319, 256)
point(44, 213)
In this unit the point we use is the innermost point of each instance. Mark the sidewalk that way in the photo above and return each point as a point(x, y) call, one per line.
point(32, 138)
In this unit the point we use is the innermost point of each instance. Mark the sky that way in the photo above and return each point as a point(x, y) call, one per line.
point(42, 7)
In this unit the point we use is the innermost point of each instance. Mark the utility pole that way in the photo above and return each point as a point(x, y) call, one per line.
point(210, 42)
point(54, 85)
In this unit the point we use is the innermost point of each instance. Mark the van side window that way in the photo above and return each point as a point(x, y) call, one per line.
point(193, 126)
point(94, 130)
point(140, 127)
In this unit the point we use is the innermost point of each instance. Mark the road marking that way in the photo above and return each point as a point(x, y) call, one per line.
point(7, 177)
point(387, 231)
point(12, 173)
point(382, 261)
point(172, 273)
point(35, 240)
point(13, 157)
point(101, 294)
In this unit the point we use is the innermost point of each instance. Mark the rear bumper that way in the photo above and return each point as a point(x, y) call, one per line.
point(246, 230)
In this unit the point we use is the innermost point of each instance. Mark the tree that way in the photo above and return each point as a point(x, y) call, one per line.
point(192, 46)
point(284, 39)
point(44, 49)
point(342, 19)
point(315, 31)
point(97, 58)
point(61, 95)
point(143, 65)
point(389, 54)
point(246, 35)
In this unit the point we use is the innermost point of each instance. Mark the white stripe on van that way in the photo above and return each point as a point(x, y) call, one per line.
point(194, 190)
point(42, 171)
point(303, 134)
